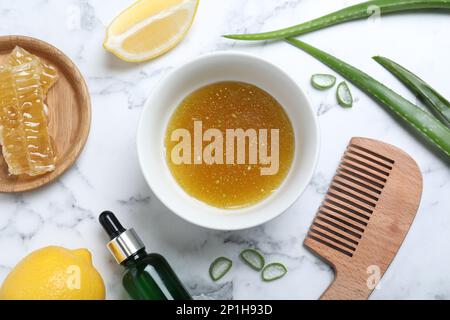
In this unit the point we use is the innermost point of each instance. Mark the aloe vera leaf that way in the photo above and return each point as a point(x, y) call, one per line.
point(419, 120)
point(355, 12)
point(323, 81)
point(219, 268)
point(273, 271)
point(253, 259)
point(432, 99)
point(344, 96)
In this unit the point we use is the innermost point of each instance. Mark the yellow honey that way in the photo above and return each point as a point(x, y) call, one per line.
point(229, 106)
point(26, 145)
point(48, 75)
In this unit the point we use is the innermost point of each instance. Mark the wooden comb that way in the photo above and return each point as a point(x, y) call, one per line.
point(367, 212)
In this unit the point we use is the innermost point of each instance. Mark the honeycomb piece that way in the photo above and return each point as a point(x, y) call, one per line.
point(48, 75)
point(26, 144)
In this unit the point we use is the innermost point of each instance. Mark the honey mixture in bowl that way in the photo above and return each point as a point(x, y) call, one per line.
point(229, 144)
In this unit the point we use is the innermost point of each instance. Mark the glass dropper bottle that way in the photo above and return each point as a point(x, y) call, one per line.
point(147, 276)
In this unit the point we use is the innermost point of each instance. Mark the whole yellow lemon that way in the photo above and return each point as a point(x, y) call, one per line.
point(54, 273)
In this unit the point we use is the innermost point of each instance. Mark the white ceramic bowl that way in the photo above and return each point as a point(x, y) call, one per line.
point(205, 70)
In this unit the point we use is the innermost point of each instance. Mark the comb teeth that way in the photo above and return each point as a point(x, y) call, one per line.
point(351, 199)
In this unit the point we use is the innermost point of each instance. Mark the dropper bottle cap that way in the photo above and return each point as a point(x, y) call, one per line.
point(124, 243)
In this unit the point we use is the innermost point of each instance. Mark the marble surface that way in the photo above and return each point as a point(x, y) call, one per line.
point(107, 176)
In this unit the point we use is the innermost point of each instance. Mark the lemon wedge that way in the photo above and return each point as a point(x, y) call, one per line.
point(149, 28)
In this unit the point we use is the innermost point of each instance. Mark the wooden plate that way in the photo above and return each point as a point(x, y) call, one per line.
point(69, 112)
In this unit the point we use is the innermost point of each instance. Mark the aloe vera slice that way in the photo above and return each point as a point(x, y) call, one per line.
point(253, 258)
point(323, 81)
point(220, 268)
point(273, 271)
point(344, 96)
point(433, 100)
point(418, 120)
point(355, 12)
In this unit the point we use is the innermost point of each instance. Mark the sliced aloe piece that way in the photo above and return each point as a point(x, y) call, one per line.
point(253, 258)
point(344, 96)
point(273, 271)
point(219, 268)
point(323, 81)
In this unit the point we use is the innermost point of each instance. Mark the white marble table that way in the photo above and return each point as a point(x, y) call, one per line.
point(107, 175)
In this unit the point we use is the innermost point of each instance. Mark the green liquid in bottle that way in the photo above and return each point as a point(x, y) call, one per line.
point(147, 276)
point(150, 277)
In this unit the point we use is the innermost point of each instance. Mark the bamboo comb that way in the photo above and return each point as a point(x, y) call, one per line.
point(367, 212)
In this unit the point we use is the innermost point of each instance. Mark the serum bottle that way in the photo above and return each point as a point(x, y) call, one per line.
point(147, 276)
